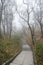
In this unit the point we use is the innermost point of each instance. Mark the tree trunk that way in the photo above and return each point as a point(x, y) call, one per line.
point(32, 34)
point(1, 19)
point(0, 30)
point(41, 30)
point(4, 29)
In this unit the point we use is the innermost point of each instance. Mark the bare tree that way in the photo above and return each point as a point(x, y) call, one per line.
point(8, 20)
point(38, 15)
point(10, 23)
point(7, 17)
point(27, 21)
point(1, 10)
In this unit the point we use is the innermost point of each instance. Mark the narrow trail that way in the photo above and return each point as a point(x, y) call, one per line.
point(25, 57)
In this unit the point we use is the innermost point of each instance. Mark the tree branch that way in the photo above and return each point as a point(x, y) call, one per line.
point(19, 13)
point(21, 16)
point(25, 3)
point(28, 6)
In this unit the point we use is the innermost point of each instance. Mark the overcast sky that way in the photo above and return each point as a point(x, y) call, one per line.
point(21, 6)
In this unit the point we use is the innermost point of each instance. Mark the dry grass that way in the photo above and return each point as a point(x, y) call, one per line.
point(8, 48)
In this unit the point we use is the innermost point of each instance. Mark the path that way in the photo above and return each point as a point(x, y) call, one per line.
point(24, 58)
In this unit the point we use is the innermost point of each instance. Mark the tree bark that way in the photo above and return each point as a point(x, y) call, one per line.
point(41, 30)
point(1, 18)
point(32, 34)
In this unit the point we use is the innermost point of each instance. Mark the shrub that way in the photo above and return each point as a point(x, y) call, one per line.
point(39, 53)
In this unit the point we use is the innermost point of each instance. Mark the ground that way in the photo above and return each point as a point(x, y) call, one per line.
point(25, 57)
